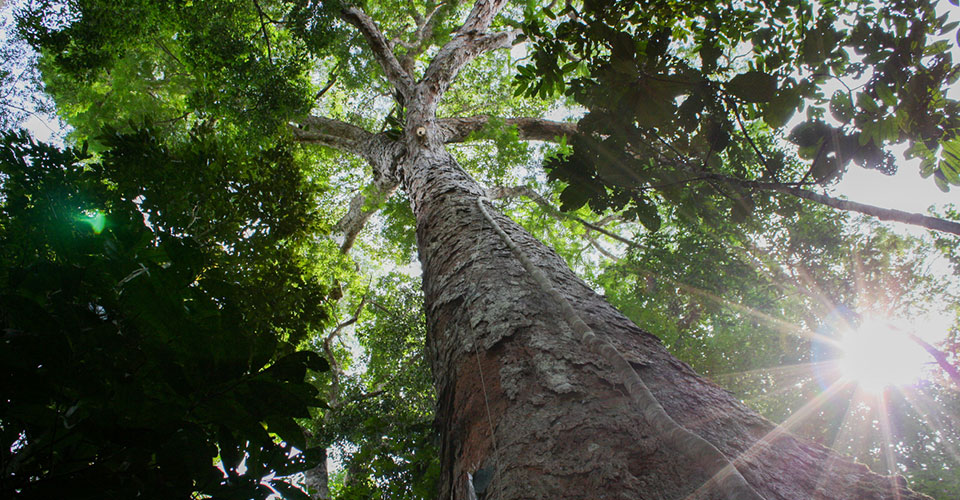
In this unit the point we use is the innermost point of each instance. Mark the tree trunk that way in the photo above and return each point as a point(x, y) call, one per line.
point(526, 410)
point(317, 481)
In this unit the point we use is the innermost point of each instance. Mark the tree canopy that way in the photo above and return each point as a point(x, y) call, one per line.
point(140, 343)
point(189, 282)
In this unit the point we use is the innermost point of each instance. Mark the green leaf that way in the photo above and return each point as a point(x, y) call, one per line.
point(781, 108)
point(824, 168)
point(867, 103)
point(743, 207)
point(573, 197)
point(941, 181)
point(288, 430)
point(886, 95)
point(927, 167)
point(753, 86)
point(808, 134)
point(293, 367)
point(646, 212)
point(841, 106)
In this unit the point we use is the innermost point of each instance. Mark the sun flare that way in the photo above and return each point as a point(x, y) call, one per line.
point(878, 354)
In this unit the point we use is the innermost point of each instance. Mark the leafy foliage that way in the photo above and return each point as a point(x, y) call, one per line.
point(181, 61)
point(384, 423)
point(129, 362)
point(683, 96)
point(741, 302)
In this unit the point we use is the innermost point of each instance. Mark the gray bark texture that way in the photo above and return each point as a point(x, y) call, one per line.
point(545, 390)
point(316, 481)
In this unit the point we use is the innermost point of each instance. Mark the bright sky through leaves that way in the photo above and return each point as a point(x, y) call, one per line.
point(877, 355)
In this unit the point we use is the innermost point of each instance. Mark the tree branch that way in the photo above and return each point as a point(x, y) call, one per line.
point(941, 358)
point(362, 207)
point(456, 54)
point(422, 34)
point(330, 83)
point(381, 49)
point(596, 244)
point(482, 15)
point(535, 129)
point(332, 133)
point(335, 370)
point(263, 30)
point(933, 223)
point(891, 214)
point(470, 40)
point(379, 150)
point(500, 192)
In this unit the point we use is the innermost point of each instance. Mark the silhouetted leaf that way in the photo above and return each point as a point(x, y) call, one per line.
point(753, 86)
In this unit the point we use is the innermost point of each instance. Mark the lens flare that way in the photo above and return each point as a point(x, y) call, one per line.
point(878, 355)
point(96, 219)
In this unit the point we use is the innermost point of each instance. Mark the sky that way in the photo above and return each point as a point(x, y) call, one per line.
point(906, 190)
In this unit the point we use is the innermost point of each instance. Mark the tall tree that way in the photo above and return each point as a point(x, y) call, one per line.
point(544, 389)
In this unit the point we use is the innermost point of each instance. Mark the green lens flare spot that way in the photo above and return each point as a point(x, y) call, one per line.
point(96, 219)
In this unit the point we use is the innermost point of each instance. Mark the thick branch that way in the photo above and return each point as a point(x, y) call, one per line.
point(381, 49)
point(332, 133)
point(362, 207)
point(482, 15)
point(470, 41)
point(456, 54)
point(534, 129)
point(377, 149)
point(891, 214)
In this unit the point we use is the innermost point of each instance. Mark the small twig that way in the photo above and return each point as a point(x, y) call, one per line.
point(167, 51)
point(330, 83)
point(595, 244)
point(263, 29)
point(743, 128)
